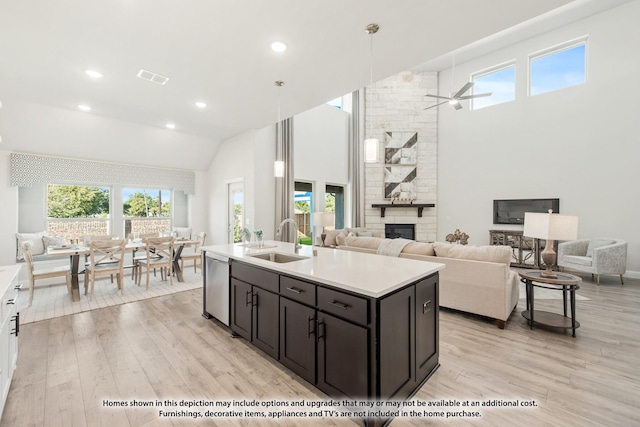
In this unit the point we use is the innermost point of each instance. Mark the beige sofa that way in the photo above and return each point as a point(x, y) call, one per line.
point(475, 280)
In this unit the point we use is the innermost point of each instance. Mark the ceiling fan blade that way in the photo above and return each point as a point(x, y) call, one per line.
point(436, 105)
point(464, 88)
point(478, 95)
point(438, 96)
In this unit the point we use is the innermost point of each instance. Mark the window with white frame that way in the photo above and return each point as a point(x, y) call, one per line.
point(499, 80)
point(558, 67)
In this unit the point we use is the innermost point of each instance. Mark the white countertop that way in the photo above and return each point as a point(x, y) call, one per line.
point(7, 274)
point(367, 274)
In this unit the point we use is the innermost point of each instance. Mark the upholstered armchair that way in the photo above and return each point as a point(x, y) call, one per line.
point(595, 256)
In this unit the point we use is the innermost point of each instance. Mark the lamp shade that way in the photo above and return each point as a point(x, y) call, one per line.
point(550, 226)
point(323, 219)
point(371, 150)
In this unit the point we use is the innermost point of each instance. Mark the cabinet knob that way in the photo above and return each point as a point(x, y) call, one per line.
point(18, 286)
point(11, 301)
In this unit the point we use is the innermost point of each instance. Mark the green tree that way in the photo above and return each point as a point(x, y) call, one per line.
point(330, 202)
point(143, 205)
point(77, 201)
point(302, 207)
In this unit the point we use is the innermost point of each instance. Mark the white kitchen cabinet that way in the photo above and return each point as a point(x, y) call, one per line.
point(9, 328)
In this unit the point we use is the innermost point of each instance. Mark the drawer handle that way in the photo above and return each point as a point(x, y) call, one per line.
point(294, 290)
point(426, 307)
point(340, 305)
point(16, 319)
point(18, 286)
point(320, 335)
point(309, 322)
point(248, 301)
point(11, 301)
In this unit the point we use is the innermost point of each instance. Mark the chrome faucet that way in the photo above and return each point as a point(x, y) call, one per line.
point(292, 221)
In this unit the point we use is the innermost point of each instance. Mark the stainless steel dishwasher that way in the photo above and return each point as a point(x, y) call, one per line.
point(216, 287)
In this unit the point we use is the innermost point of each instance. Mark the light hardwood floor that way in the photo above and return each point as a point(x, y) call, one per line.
point(162, 348)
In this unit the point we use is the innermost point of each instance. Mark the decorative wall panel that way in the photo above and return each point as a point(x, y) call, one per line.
point(401, 148)
point(28, 169)
point(399, 182)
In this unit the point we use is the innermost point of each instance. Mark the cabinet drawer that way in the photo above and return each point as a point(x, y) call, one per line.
point(256, 276)
point(343, 305)
point(298, 290)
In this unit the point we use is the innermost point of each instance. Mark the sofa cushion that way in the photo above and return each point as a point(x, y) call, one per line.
point(490, 253)
point(598, 243)
point(364, 242)
point(580, 260)
point(340, 238)
point(37, 245)
point(52, 241)
point(331, 237)
point(419, 248)
point(182, 232)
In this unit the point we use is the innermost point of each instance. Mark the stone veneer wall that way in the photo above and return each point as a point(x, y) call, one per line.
point(397, 104)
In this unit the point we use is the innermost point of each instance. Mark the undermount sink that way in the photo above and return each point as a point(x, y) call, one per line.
point(278, 257)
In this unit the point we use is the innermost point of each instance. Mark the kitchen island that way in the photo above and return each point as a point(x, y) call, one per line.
point(355, 325)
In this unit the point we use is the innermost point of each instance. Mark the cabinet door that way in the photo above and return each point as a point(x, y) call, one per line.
point(5, 359)
point(265, 321)
point(343, 362)
point(397, 344)
point(426, 326)
point(240, 321)
point(298, 338)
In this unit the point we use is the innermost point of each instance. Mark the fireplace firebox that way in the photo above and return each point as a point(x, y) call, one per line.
point(394, 231)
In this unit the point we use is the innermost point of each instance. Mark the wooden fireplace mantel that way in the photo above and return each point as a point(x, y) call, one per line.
point(419, 206)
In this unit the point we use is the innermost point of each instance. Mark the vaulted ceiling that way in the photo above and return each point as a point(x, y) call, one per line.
point(215, 51)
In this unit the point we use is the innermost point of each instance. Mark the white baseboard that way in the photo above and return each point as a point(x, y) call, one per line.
point(632, 274)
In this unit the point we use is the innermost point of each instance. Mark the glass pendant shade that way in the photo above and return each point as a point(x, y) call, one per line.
point(371, 150)
point(278, 169)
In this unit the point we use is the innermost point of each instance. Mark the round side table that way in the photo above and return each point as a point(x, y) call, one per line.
point(567, 283)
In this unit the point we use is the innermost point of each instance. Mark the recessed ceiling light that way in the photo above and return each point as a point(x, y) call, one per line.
point(84, 107)
point(278, 46)
point(93, 74)
point(170, 126)
point(201, 104)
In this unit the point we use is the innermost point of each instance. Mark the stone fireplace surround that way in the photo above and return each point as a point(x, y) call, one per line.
point(398, 104)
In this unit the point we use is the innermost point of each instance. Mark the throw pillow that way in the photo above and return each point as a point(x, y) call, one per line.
point(365, 234)
point(182, 232)
point(340, 239)
point(37, 246)
point(598, 243)
point(53, 241)
point(331, 237)
point(419, 248)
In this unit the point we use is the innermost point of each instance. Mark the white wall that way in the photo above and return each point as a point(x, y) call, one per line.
point(321, 151)
point(320, 156)
point(8, 213)
point(579, 144)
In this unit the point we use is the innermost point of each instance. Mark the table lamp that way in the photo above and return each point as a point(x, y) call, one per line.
point(324, 219)
point(550, 226)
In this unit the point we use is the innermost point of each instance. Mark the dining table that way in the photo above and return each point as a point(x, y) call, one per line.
point(75, 251)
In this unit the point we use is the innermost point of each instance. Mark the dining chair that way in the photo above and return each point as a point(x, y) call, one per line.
point(136, 257)
point(159, 254)
point(42, 273)
point(106, 257)
point(194, 252)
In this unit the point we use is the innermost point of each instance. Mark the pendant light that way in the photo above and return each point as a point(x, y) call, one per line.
point(278, 165)
point(371, 144)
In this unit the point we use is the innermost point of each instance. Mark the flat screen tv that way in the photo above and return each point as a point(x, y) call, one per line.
point(512, 211)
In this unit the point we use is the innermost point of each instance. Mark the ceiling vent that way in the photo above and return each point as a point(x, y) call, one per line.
point(152, 77)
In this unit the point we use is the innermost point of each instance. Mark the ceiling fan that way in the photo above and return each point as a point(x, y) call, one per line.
point(455, 98)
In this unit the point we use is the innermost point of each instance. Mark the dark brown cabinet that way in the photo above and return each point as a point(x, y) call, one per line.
point(343, 358)
point(347, 344)
point(298, 338)
point(427, 338)
point(254, 310)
